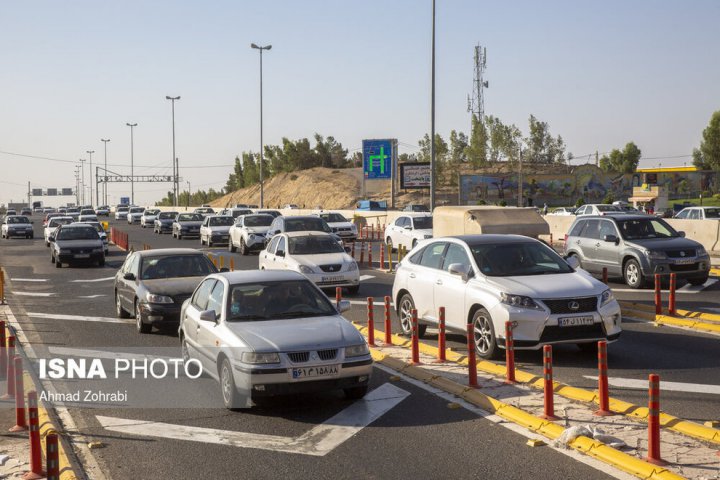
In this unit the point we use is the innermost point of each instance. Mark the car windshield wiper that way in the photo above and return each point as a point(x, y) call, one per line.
point(247, 317)
point(299, 314)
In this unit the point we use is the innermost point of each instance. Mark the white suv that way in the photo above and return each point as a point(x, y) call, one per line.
point(249, 233)
point(340, 225)
point(598, 209)
point(407, 230)
point(488, 280)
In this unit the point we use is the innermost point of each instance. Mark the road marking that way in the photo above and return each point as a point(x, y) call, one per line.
point(366, 277)
point(684, 289)
point(28, 279)
point(80, 318)
point(33, 294)
point(94, 280)
point(83, 352)
point(318, 441)
point(93, 296)
point(665, 386)
point(378, 302)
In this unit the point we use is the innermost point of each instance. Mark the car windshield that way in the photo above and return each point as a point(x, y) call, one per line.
point(122, 209)
point(712, 213)
point(172, 266)
point(273, 213)
point(85, 233)
point(638, 229)
point(97, 226)
point(221, 221)
point(189, 217)
point(333, 217)
point(313, 245)
point(422, 222)
point(515, 259)
point(137, 210)
point(608, 208)
point(306, 225)
point(60, 221)
point(277, 300)
point(148, 213)
point(257, 220)
point(18, 220)
point(167, 215)
point(236, 213)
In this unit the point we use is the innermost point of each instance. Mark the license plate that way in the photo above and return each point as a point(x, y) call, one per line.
point(319, 371)
point(332, 279)
point(575, 321)
point(685, 261)
point(82, 255)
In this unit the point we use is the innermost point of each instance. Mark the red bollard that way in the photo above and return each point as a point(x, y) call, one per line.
point(388, 324)
point(509, 354)
point(415, 339)
point(53, 456)
point(338, 296)
point(382, 257)
point(20, 423)
point(372, 232)
point(605, 276)
point(671, 300)
point(603, 397)
point(370, 249)
point(362, 254)
point(3, 354)
point(549, 405)
point(10, 370)
point(551, 239)
point(441, 335)
point(472, 361)
point(658, 298)
point(653, 455)
point(371, 321)
point(352, 251)
point(36, 470)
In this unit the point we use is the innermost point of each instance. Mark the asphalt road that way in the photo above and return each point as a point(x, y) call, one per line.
point(418, 437)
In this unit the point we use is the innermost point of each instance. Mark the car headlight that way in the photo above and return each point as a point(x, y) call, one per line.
point(356, 350)
point(154, 298)
point(97, 250)
point(519, 301)
point(305, 269)
point(700, 251)
point(606, 297)
point(258, 357)
point(654, 255)
point(352, 266)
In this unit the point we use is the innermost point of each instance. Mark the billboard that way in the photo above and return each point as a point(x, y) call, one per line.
point(415, 175)
point(378, 156)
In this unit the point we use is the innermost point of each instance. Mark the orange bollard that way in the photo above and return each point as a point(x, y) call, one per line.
point(658, 298)
point(388, 324)
point(472, 361)
point(653, 455)
point(338, 296)
point(603, 399)
point(441, 335)
point(10, 370)
point(232, 264)
point(222, 262)
point(372, 232)
point(389, 256)
point(509, 354)
point(605, 275)
point(671, 300)
point(549, 404)
point(20, 423)
point(551, 239)
point(370, 249)
point(382, 257)
point(36, 470)
point(362, 253)
point(371, 321)
point(53, 456)
point(415, 348)
point(3, 357)
point(2, 287)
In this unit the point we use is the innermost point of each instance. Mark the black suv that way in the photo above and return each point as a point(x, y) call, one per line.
point(636, 247)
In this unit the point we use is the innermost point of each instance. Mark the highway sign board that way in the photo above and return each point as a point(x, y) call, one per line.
point(378, 158)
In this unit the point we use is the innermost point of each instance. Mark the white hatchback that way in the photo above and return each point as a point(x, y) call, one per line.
point(409, 229)
point(488, 280)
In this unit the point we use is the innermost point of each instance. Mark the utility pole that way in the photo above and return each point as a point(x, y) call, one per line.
point(432, 114)
point(77, 185)
point(476, 101)
point(105, 142)
point(82, 192)
point(262, 186)
point(90, 152)
point(176, 173)
point(188, 199)
point(132, 163)
point(520, 182)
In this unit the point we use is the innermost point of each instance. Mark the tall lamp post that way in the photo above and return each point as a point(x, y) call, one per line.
point(132, 163)
point(90, 152)
point(82, 190)
point(176, 173)
point(105, 200)
point(188, 199)
point(262, 192)
point(432, 114)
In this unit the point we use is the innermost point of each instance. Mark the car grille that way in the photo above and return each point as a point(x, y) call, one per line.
point(688, 252)
point(334, 282)
point(327, 354)
point(80, 250)
point(586, 304)
point(581, 332)
point(343, 229)
point(684, 268)
point(299, 357)
point(302, 357)
point(179, 299)
point(331, 268)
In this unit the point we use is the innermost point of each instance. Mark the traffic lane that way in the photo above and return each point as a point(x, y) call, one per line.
point(400, 444)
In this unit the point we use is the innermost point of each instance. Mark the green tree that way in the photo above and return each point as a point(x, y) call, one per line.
point(235, 181)
point(251, 172)
point(709, 151)
point(541, 146)
point(477, 150)
point(625, 161)
point(441, 155)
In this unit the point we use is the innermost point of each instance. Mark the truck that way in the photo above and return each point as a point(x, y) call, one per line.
point(472, 219)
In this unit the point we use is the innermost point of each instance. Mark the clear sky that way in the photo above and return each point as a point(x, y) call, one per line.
point(600, 73)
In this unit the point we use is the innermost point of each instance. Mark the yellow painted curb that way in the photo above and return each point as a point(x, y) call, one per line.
point(715, 272)
point(593, 448)
point(685, 322)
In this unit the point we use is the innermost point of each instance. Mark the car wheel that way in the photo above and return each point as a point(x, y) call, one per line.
point(57, 263)
point(192, 368)
point(231, 245)
point(119, 310)
point(388, 242)
point(355, 393)
point(243, 247)
point(101, 262)
point(179, 236)
point(633, 274)
point(227, 386)
point(405, 313)
point(484, 333)
point(354, 289)
point(209, 242)
point(139, 324)
point(696, 281)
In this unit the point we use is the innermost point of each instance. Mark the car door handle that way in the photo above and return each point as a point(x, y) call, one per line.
point(412, 275)
point(597, 244)
point(438, 282)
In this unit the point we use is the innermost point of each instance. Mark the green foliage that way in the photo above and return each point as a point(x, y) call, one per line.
point(505, 140)
point(541, 146)
point(476, 152)
point(625, 161)
point(708, 155)
point(502, 203)
point(441, 155)
point(580, 202)
point(195, 200)
point(609, 198)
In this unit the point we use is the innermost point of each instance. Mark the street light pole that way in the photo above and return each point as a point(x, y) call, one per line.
point(432, 114)
point(82, 191)
point(132, 163)
point(105, 142)
point(176, 173)
point(262, 192)
point(188, 199)
point(90, 152)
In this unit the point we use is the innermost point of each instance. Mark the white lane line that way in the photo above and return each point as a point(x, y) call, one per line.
point(366, 277)
point(318, 441)
point(684, 289)
point(94, 280)
point(82, 352)
point(665, 386)
point(28, 280)
point(93, 296)
point(32, 294)
point(80, 318)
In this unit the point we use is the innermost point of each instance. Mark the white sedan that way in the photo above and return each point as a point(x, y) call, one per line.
point(148, 217)
point(249, 233)
point(261, 334)
point(409, 229)
point(317, 255)
point(491, 279)
point(215, 229)
point(52, 225)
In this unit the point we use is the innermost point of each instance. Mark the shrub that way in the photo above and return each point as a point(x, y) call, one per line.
point(502, 203)
point(293, 177)
point(609, 198)
point(580, 202)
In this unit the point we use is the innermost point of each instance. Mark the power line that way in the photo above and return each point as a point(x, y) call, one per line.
point(62, 160)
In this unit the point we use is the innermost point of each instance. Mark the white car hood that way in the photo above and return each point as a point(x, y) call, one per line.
point(257, 230)
point(220, 228)
point(560, 285)
point(322, 259)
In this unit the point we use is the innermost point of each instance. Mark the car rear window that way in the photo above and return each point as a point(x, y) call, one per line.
point(85, 233)
point(172, 266)
point(305, 225)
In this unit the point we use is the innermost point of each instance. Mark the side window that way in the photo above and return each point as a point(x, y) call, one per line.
point(682, 214)
point(275, 225)
point(128, 262)
point(134, 264)
point(607, 228)
point(281, 245)
point(273, 244)
point(216, 298)
point(455, 254)
point(399, 222)
point(432, 255)
point(576, 229)
point(202, 294)
point(694, 215)
point(417, 256)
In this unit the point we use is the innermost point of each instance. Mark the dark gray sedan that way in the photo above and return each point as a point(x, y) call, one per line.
point(153, 284)
point(164, 222)
point(187, 225)
point(76, 243)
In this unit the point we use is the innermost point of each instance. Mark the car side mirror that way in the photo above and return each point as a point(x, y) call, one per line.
point(51, 238)
point(224, 269)
point(573, 262)
point(407, 227)
point(344, 306)
point(611, 239)
point(129, 276)
point(461, 270)
point(280, 253)
point(682, 234)
point(208, 316)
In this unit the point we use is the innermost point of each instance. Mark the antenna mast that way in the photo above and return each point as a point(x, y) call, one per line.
point(476, 101)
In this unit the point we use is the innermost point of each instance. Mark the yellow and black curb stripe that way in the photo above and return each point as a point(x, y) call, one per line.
point(705, 322)
point(548, 429)
point(715, 272)
point(670, 422)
